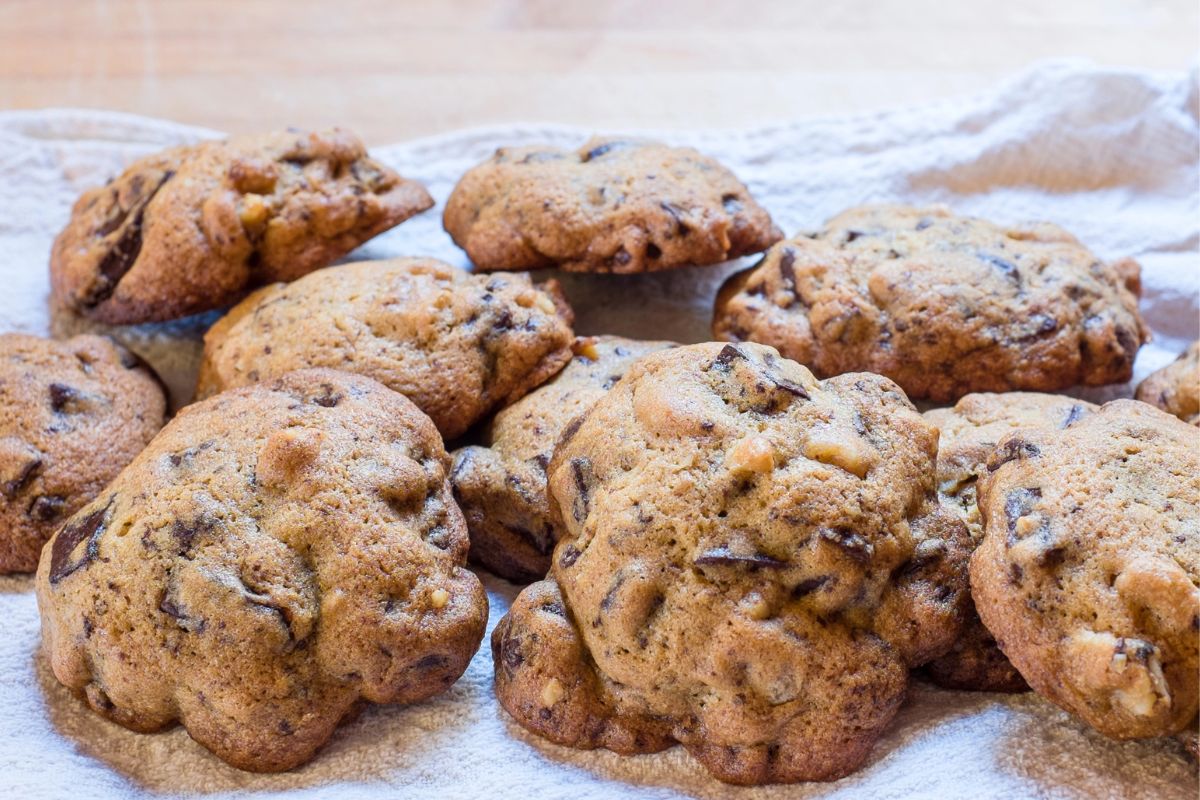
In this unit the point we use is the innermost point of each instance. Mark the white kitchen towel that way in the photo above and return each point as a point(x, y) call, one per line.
point(1111, 155)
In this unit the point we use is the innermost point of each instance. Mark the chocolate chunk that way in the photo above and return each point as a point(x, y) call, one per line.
point(729, 353)
point(851, 543)
point(1018, 503)
point(510, 652)
point(923, 223)
point(47, 507)
point(790, 387)
point(600, 150)
point(429, 663)
point(731, 203)
point(724, 557)
point(677, 213)
point(810, 585)
point(787, 270)
point(1012, 450)
point(1076, 413)
point(25, 473)
point(621, 257)
point(570, 555)
point(554, 607)
point(327, 397)
point(581, 470)
point(569, 432)
point(852, 235)
point(653, 251)
point(75, 532)
point(185, 533)
point(1007, 267)
point(64, 398)
point(125, 251)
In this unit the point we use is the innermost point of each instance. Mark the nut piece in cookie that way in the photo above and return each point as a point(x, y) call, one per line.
point(969, 433)
point(72, 414)
point(299, 534)
point(193, 228)
point(1088, 571)
point(752, 560)
point(943, 305)
point(500, 485)
point(458, 345)
point(1176, 387)
point(611, 206)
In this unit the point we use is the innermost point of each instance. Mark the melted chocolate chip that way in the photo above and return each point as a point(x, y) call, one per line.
point(653, 251)
point(47, 507)
point(1007, 267)
point(787, 269)
point(328, 397)
point(88, 528)
point(29, 469)
point(677, 213)
point(63, 398)
point(1076, 413)
point(1018, 503)
point(723, 557)
point(600, 150)
point(851, 543)
point(1012, 450)
point(581, 471)
point(125, 251)
point(810, 585)
point(570, 555)
point(729, 353)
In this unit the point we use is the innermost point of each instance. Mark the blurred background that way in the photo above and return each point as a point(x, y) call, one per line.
point(396, 69)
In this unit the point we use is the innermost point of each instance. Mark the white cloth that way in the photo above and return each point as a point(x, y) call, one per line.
point(1111, 155)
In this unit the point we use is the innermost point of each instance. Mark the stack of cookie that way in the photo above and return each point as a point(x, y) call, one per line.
point(746, 546)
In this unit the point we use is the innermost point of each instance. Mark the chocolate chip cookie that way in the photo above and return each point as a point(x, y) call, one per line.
point(277, 555)
point(72, 414)
point(500, 485)
point(752, 560)
point(611, 206)
point(192, 228)
point(944, 305)
point(458, 345)
point(969, 433)
point(1176, 387)
point(1088, 571)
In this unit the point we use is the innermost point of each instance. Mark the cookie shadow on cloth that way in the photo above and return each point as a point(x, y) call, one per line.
point(371, 747)
point(1041, 743)
point(923, 717)
point(17, 583)
point(173, 349)
point(674, 304)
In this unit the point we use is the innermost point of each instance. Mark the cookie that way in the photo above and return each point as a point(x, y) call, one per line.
point(969, 433)
point(72, 414)
point(500, 484)
point(299, 535)
point(752, 561)
point(457, 345)
point(943, 305)
point(192, 228)
point(1088, 571)
point(1176, 387)
point(611, 206)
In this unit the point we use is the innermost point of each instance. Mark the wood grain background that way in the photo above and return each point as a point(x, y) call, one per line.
point(393, 69)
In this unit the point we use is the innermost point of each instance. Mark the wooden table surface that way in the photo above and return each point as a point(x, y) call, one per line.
point(393, 69)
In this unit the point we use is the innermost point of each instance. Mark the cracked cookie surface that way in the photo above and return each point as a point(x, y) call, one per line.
point(72, 414)
point(1176, 387)
point(193, 228)
point(277, 555)
point(611, 206)
point(456, 344)
point(752, 561)
point(969, 433)
point(1088, 571)
point(500, 484)
point(942, 304)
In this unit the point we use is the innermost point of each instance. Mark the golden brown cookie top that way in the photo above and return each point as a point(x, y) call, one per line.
point(456, 344)
point(1089, 568)
point(72, 414)
point(736, 532)
point(1176, 387)
point(944, 305)
point(299, 532)
point(193, 228)
point(610, 206)
point(500, 484)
